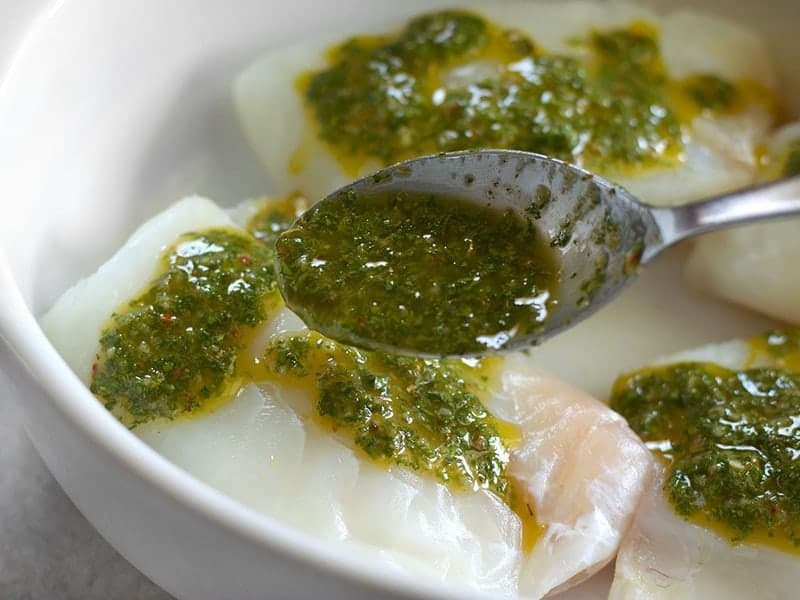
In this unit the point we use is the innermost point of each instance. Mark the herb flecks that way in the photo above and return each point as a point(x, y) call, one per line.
point(421, 414)
point(731, 441)
point(397, 96)
point(276, 216)
point(791, 159)
point(176, 345)
point(417, 271)
point(711, 92)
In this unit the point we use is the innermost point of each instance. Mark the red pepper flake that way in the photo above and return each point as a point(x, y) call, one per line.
point(479, 443)
point(167, 318)
point(246, 260)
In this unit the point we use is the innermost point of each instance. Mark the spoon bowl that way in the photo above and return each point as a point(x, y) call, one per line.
point(601, 234)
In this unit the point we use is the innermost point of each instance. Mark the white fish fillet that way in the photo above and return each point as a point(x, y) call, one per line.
point(755, 266)
point(665, 557)
point(582, 466)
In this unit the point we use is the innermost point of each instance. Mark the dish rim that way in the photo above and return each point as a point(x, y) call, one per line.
point(64, 390)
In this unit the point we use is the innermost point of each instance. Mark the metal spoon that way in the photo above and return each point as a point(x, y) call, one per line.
point(602, 233)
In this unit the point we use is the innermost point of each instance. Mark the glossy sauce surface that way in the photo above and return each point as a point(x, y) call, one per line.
point(418, 272)
point(452, 80)
point(422, 414)
point(176, 345)
point(731, 439)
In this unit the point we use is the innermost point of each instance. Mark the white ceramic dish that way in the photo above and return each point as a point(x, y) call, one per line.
point(109, 111)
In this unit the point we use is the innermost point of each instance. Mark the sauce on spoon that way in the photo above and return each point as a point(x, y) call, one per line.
point(417, 271)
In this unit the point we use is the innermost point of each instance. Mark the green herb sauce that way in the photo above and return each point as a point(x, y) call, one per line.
point(425, 273)
point(711, 92)
point(393, 97)
point(421, 414)
point(176, 345)
point(791, 163)
point(276, 216)
point(731, 440)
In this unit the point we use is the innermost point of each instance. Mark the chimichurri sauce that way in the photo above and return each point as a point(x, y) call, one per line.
point(421, 414)
point(425, 273)
point(731, 440)
point(791, 164)
point(176, 345)
point(276, 216)
point(452, 80)
point(711, 92)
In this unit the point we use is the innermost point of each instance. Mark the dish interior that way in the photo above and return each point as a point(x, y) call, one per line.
point(98, 135)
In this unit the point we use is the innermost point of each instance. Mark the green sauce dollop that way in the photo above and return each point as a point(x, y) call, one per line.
point(276, 216)
point(711, 92)
point(425, 273)
point(731, 440)
point(791, 162)
point(176, 345)
point(393, 97)
point(421, 414)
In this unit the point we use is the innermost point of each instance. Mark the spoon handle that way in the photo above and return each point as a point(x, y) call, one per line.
point(749, 205)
